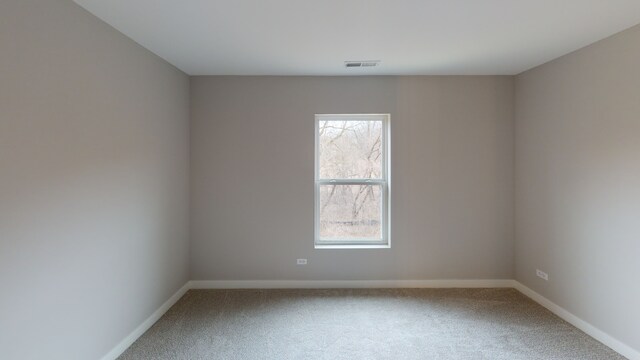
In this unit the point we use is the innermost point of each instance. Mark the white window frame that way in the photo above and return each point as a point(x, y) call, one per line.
point(384, 182)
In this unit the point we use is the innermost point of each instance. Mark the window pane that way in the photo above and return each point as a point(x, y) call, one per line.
point(351, 212)
point(350, 149)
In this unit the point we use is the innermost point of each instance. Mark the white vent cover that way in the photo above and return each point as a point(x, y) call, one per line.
point(365, 63)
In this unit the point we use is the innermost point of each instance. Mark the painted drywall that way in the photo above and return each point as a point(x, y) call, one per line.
point(93, 182)
point(252, 152)
point(578, 183)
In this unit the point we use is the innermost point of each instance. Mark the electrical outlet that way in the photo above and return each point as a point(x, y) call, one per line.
point(301, 262)
point(541, 274)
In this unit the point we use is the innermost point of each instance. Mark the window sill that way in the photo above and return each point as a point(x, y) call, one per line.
point(351, 247)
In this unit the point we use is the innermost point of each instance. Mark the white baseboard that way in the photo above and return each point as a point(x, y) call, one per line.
point(353, 284)
point(135, 334)
point(591, 330)
point(615, 344)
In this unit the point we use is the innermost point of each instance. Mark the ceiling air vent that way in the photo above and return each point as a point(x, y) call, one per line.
point(358, 64)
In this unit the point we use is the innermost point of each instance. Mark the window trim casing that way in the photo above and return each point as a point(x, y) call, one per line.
point(385, 183)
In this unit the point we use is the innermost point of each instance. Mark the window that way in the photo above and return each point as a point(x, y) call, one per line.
point(352, 181)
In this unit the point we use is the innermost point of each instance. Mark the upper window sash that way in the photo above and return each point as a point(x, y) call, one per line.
point(346, 118)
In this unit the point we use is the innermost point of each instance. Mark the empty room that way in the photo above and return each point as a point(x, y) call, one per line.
point(337, 179)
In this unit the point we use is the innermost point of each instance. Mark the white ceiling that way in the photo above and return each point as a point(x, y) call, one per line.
point(305, 37)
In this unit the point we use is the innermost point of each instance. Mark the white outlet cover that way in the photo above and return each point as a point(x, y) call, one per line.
point(301, 262)
point(541, 274)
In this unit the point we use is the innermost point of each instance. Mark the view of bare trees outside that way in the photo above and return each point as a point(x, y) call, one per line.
point(351, 150)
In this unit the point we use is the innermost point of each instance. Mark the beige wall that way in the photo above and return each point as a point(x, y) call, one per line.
point(93, 182)
point(252, 177)
point(578, 183)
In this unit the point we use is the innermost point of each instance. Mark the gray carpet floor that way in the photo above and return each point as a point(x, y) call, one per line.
point(363, 324)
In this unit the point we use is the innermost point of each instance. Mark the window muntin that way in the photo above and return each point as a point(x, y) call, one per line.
point(352, 187)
